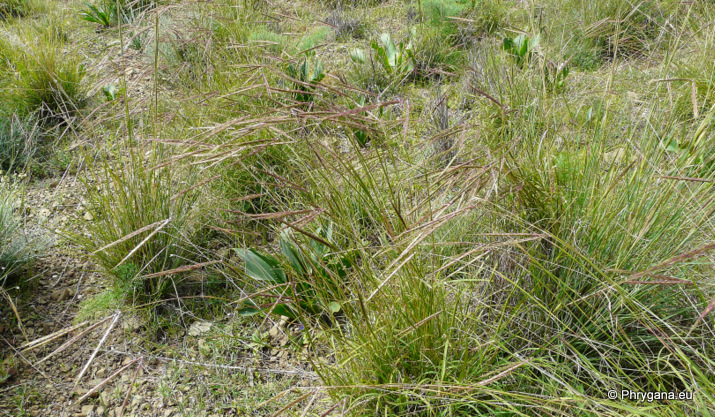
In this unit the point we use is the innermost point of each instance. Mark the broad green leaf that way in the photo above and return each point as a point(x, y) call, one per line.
point(358, 56)
point(262, 268)
point(248, 311)
point(284, 310)
point(318, 72)
point(362, 138)
point(385, 39)
point(334, 307)
point(292, 253)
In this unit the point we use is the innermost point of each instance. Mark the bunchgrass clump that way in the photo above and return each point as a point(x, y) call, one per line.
point(436, 54)
point(16, 249)
point(47, 80)
point(18, 8)
point(144, 222)
point(346, 25)
point(19, 140)
point(613, 28)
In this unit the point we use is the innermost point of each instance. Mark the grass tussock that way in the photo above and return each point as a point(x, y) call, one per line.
point(43, 77)
point(16, 249)
point(143, 223)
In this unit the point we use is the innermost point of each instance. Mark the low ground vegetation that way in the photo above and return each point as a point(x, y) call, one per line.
point(434, 208)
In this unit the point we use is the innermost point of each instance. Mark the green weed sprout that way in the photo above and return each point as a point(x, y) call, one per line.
point(314, 275)
point(521, 48)
point(307, 80)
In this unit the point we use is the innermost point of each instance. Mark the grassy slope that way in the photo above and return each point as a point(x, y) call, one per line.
point(517, 245)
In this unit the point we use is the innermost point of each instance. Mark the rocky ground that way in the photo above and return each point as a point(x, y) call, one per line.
point(192, 366)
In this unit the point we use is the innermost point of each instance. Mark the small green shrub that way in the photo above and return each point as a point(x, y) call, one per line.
point(189, 60)
point(633, 28)
point(136, 41)
point(363, 136)
point(583, 56)
point(345, 26)
point(485, 17)
point(438, 13)
point(435, 54)
point(555, 75)
point(313, 39)
point(267, 39)
point(111, 92)
point(397, 61)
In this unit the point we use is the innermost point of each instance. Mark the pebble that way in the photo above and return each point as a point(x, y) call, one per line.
point(199, 327)
point(61, 295)
point(273, 332)
point(86, 409)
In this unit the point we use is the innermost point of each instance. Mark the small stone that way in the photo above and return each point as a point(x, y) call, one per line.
point(43, 213)
point(101, 373)
point(199, 327)
point(88, 216)
point(273, 332)
point(86, 409)
point(131, 324)
point(61, 295)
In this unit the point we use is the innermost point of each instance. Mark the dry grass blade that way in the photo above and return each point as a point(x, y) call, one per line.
point(106, 380)
point(129, 236)
point(419, 323)
point(195, 186)
point(131, 386)
point(676, 259)
point(99, 345)
point(702, 315)
point(50, 337)
point(74, 339)
point(501, 374)
point(292, 403)
point(330, 410)
point(17, 314)
point(310, 404)
point(148, 238)
point(180, 269)
point(668, 177)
